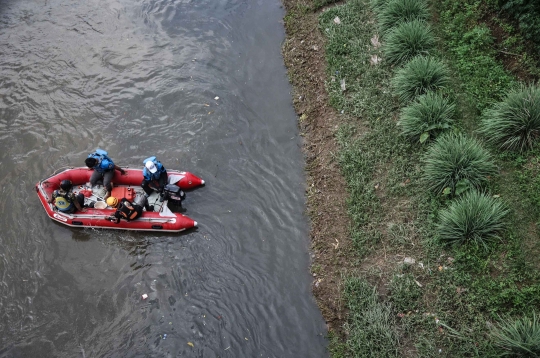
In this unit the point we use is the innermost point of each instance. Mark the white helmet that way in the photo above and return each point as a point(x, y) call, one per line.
point(151, 166)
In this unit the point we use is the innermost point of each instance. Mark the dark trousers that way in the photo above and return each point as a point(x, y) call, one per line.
point(105, 177)
point(141, 201)
point(80, 199)
point(151, 185)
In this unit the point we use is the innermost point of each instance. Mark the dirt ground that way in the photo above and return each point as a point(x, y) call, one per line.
point(326, 193)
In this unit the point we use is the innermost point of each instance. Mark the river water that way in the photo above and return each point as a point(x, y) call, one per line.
point(141, 78)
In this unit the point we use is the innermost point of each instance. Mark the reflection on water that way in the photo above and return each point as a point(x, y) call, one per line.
point(140, 79)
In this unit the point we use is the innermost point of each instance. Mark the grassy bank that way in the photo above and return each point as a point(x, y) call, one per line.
point(405, 291)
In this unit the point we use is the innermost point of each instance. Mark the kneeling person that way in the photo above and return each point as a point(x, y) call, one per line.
point(155, 176)
point(128, 210)
point(65, 201)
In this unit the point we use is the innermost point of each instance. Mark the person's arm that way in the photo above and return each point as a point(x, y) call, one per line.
point(122, 171)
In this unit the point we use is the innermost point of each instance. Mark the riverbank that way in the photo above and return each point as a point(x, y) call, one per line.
point(326, 194)
point(385, 284)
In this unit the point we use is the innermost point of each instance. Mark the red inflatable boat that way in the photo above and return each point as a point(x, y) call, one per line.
point(124, 186)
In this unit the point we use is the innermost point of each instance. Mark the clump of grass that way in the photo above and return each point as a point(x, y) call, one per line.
point(378, 5)
point(514, 123)
point(318, 4)
point(405, 293)
point(427, 117)
point(397, 12)
point(455, 163)
point(520, 337)
point(419, 76)
point(473, 218)
point(371, 327)
point(407, 40)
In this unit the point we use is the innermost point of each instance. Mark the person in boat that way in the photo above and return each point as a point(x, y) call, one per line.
point(104, 169)
point(65, 201)
point(127, 210)
point(155, 176)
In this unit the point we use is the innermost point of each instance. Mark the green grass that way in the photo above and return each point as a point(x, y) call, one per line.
point(318, 4)
point(396, 12)
point(471, 45)
point(456, 163)
point(420, 76)
point(426, 118)
point(519, 337)
point(475, 218)
point(405, 293)
point(439, 309)
point(371, 327)
point(407, 40)
point(514, 123)
point(378, 5)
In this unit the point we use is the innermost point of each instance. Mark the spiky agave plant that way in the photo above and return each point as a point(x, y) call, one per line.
point(396, 12)
point(427, 117)
point(456, 163)
point(475, 218)
point(519, 337)
point(419, 76)
point(514, 123)
point(407, 40)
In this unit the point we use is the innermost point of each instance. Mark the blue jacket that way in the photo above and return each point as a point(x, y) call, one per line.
point(153, 176)
point(104, 163)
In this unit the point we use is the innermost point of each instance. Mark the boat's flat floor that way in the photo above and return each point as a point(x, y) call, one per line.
point(98, 194)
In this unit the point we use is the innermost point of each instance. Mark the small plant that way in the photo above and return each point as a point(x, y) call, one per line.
point(427, 117)
point(407, 40)
point(527, 13)
point(519, 337)
point(399, 11)
point(514, 123)
point(456, 163)
point(405, 293)
point(475, 217)
point(318, 4)
point(419, 76)
point(371, 327)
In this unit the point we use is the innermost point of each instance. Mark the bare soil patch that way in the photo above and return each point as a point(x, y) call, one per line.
point(326, 192)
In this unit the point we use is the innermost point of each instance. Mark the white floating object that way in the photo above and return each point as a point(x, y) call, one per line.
point(216, 98)
point(144, 296)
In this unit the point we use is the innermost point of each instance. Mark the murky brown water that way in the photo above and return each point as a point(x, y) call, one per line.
point(139, 78)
